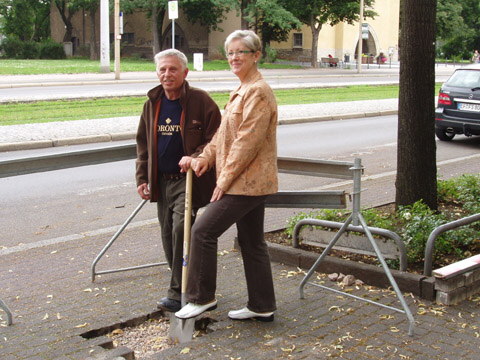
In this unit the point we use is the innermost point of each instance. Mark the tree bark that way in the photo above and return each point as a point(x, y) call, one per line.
point(315, 34)
point(94, 54)
point(416, 153)
point(157, 25)
point(243, 22)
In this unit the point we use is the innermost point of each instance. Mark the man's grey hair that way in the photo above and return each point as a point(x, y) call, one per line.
point(248, 38)
point(171, 52)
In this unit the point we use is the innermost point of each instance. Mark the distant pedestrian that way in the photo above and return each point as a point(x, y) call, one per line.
point(476, 57)
point(176, 123)
point(244, 151)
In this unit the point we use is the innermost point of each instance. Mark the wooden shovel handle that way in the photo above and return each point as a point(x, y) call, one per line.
point(186, 230)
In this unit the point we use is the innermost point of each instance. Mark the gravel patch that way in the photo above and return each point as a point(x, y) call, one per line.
point(145, 339)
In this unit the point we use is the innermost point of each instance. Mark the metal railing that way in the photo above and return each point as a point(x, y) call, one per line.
point(7, 311)
point(429, 246)
point(112, 240)
point(356, 218)
point(338, 225)
point(285, 199)
point(312, 199)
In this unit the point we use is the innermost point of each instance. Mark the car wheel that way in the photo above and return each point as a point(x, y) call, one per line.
point(443, 135)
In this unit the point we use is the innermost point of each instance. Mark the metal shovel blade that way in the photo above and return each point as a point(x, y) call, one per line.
point(181, 330)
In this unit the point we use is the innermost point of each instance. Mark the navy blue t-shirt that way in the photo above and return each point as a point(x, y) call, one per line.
point(170, 145)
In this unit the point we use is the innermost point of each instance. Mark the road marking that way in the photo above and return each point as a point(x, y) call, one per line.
point(390, 173)
point(67, 238)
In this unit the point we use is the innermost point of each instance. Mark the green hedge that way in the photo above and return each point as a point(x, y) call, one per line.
point(14, 48)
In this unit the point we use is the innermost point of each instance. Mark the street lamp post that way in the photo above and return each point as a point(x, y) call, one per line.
point(104, 37)
point(118, 37)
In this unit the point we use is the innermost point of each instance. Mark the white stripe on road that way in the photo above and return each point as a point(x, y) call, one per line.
point(63, 239)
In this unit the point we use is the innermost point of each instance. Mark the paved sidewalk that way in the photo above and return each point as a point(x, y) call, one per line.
point(54, 302)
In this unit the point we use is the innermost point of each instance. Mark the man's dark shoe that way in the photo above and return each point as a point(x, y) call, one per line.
point(170, 305)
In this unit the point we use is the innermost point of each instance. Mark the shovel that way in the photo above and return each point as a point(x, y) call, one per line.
point(181, 330)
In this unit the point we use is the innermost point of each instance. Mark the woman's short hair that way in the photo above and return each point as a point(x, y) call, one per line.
point(248, 37)
point(171, 52)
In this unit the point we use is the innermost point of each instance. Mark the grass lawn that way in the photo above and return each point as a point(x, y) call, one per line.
point(78, 65)
point(65, 110)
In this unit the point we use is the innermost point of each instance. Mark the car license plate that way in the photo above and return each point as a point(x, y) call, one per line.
point(468, 107)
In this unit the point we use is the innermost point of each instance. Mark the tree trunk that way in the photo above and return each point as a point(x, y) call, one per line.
point(66, 16)
point(156, 39)
point(94, 54)
point(243, 23)
point(416, 162)
point(315, 34)
point(157, 25)
point(68, 29)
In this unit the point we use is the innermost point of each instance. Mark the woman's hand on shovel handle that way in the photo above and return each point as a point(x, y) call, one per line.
point(199, 165)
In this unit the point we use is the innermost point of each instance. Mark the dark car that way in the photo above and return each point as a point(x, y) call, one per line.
point(458, 109)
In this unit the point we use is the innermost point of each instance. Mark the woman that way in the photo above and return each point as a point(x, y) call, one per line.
point(244, 152)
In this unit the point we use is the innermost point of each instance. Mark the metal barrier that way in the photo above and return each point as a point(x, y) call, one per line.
point(355, 218)
point(307, 199)
point(427, 267)
point(7, 311)
point(338, 225)
point(112, 240)
point(287, 199)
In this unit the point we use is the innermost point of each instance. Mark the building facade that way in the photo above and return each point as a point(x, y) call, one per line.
point(341, 41)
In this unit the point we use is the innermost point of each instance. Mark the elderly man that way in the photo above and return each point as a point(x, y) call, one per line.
point(176, 123)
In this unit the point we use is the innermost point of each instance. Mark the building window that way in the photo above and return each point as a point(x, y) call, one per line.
point(297, 40)
point(128, 38)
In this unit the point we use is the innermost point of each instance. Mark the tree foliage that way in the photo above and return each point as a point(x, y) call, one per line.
point(208, 13)
point(271, 20)
point(317, 13)
point(26, 19)
point(458, 28)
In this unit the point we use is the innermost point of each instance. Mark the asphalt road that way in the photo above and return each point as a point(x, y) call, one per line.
point(56, 204)
point(45, 87)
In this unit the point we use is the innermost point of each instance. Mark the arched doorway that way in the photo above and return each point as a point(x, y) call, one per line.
point(180, 40)
point(369, 46)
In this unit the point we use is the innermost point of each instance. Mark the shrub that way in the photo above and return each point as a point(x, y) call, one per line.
point(30, 50)
point(460, 197)
point(270, 54)
point(50, 49)
point(12, 47)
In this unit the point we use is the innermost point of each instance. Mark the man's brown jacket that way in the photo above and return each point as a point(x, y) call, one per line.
point(199, 120)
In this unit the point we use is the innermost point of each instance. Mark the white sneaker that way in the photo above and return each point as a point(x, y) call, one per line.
point(245, 313)
point(193, 310)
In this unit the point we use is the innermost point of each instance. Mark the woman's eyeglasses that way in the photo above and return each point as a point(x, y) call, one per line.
point(239, 53)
